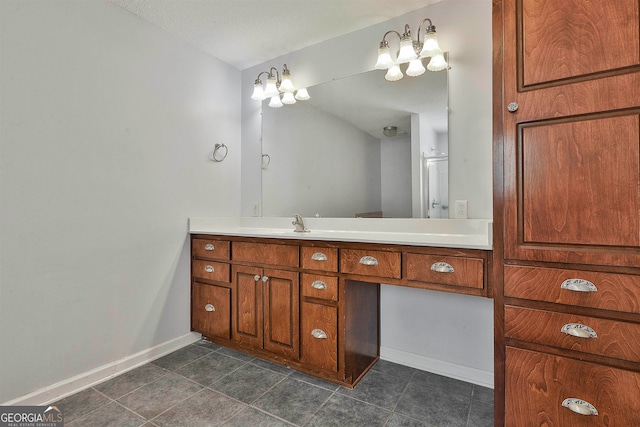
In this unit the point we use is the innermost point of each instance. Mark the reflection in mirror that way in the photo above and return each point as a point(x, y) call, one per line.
point(331, 157)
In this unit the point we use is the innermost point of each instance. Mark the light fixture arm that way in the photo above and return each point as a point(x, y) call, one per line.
point(384, 42)
point(277, 74)
point(258, 81)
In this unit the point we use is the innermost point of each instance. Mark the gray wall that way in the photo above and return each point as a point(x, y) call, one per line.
point(107, 124)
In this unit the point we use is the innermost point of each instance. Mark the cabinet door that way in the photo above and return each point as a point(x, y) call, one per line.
point(211, 310)
point(281, 313)
point(319, 328)
point(572, 132)
point(247, 305)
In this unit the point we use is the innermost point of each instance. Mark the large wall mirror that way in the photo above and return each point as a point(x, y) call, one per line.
point(330, 156)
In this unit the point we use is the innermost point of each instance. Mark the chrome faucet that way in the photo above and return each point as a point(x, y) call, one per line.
point(299, 224)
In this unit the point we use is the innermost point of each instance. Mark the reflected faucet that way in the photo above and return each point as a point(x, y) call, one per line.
point(299, 224)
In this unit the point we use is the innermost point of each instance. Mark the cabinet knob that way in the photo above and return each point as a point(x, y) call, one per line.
point(578, 285)
point(209, 307)
point(319, 284)
point(256, 277)
point(580, 406)
point(442, 267)
point(264, 279)
point(209, 247)
point(368, 260)
point(319, 333)
point(319, 256)
point(209, 269)
point(578, 330)
point(513, 107)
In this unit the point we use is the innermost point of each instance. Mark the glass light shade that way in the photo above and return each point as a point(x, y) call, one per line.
point(302, 94)
point(288, 98)
point(384, 58)
point(437, 63)
point(258, 92)
point(407, 53)
point(394, 73)
point(275, 102)
point(271, 90)
point(431, 47)
point(415, 68)
point(286, 85)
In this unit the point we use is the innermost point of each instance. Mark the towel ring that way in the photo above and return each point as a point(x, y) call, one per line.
point(215, 151)
point(268, 157)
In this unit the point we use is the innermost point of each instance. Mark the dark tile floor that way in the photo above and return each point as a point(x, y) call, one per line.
point(208, 385)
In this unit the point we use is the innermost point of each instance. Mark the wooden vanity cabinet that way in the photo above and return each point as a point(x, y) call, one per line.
point(312, 305)
point(567, 212)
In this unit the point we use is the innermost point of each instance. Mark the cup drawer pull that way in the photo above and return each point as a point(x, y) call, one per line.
point(578, 285)
point(442, 267)
point(209, 269)
point(209, 307)
point(319, 333)
point(319, 256)
point(368, 260)
point(319, 284)
point(209, 247)
point(580, 406)
point(578, 330)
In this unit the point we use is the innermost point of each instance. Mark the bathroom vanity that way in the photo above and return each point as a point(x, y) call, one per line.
point(312, 300)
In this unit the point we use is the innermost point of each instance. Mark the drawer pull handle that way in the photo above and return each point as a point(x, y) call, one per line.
point(319, 333)
point(578, 330)
point(319, 284)
point(319, 256)
point(256, 277)
point(264, 279)
point(209, 269)
point(209, 307)
point(209, 247)
point(442, 267)
point(578, 285)
point(368, 260)
point(580, 406)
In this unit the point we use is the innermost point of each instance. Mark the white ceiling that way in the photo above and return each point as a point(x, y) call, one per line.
point(245, 33)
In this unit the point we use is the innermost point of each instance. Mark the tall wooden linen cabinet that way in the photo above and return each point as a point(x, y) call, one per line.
point(567, 212)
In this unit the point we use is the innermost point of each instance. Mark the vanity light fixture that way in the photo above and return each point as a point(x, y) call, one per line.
point(277, 85)
point(411, 51)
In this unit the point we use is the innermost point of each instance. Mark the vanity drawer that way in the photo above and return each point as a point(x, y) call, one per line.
point(322, 287)
point(211, 310)
point(318, 258)
point(211, 270)
point(617, 292)
point(370, 263)
point(210, 249)
point(319, 336)
point(537, 386)
point(580, 333)
point(265, 253)
point(446, 270)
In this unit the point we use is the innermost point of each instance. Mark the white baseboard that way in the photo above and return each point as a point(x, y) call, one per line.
point(459, 372)
point(59, 390)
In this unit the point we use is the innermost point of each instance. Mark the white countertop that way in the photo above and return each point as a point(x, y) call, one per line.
point(450, 233)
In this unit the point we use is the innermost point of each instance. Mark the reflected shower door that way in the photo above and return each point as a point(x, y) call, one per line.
point(435, 171)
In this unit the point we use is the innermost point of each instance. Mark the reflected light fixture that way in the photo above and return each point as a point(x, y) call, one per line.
point(390, 131)
point(412, 52)
point(277, 85)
